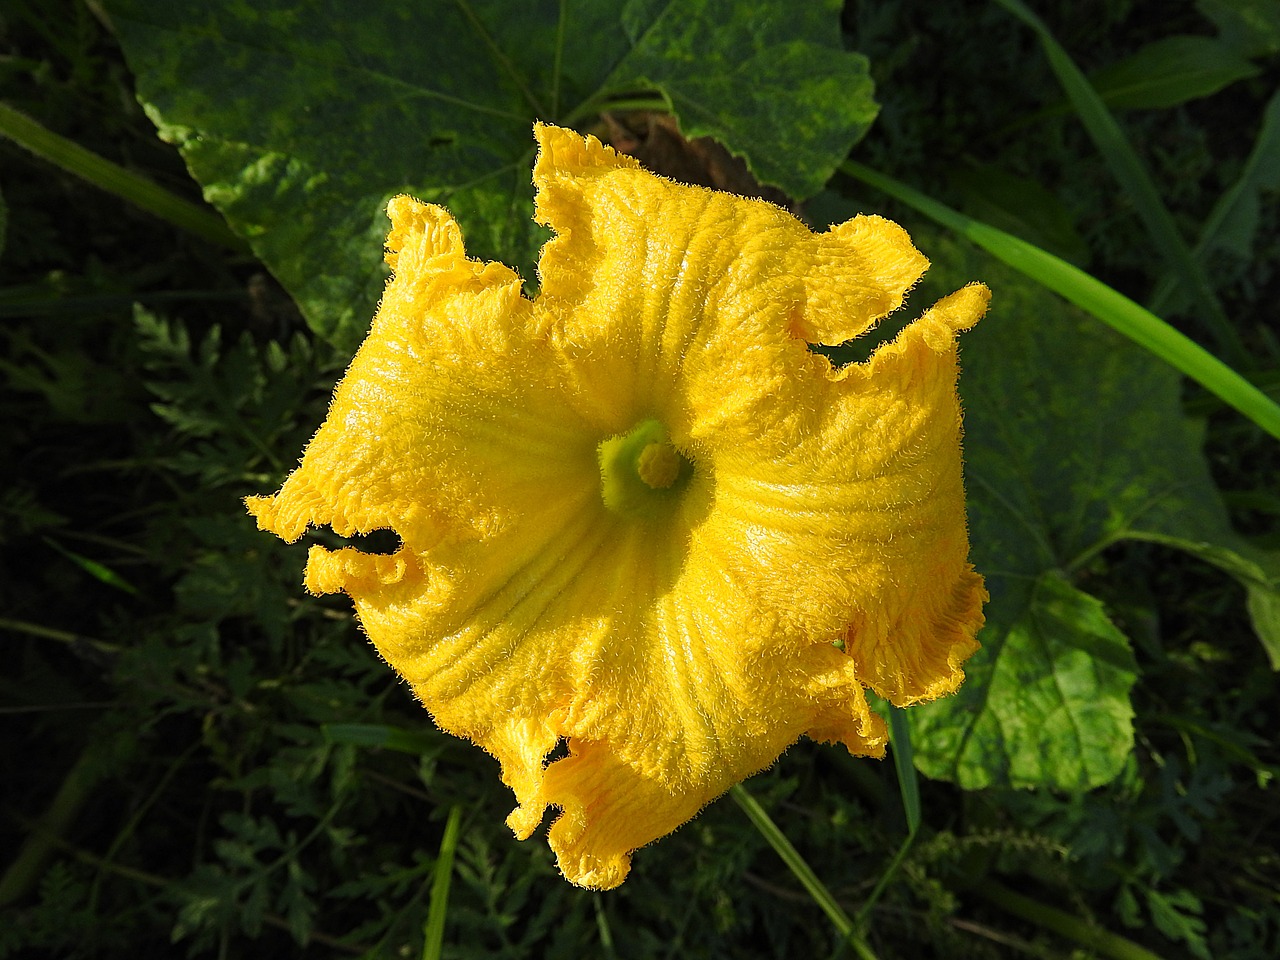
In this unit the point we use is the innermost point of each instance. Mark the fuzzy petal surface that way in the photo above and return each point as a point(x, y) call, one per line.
point(818, 546)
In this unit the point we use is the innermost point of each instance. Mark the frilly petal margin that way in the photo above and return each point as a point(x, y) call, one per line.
point(909, 645)
point(818, 547)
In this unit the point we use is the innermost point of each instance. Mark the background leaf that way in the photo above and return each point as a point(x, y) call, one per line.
point(1074, 440)
point(1171, 71)
point(1249, 26)
point(1233, 223)
point(1046, 702)
point(1022, 207)
point(770, 81)
point(300, 127)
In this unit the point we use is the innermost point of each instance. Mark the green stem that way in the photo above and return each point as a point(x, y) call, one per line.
point(115, 179)
point(62, 636)
point(131, 825)
point(38, 630)
point(438, 909)
point(77, 786)
point(886, 876)
point(654, 104)
point(1112, 308)
point(1073, 928)
point(808, 879)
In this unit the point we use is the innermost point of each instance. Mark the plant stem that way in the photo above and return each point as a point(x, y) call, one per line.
point(113, 178)
point(602, 925)
point(76, 788)
point(803, 872)
point(653, 102)
point(52, 633)
point(1073, 928)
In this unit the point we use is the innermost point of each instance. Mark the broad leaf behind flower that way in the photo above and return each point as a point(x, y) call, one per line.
point(1075, 440)
point(300, 126)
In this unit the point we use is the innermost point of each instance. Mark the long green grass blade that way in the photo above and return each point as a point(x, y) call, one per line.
point(1112, 308)
point(603, 928)
point(905, 766)
point(803, 872)
point(104, 174)
point(438, 908)
point(909, 786)
point(1128, 169)
point(1094, 938)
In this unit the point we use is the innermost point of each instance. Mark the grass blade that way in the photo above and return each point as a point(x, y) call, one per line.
point(104, 174)
point(905, 766)
point(1111, 307)
point(99, 571)
point(1042, 915)
point(803, 872)
point(909, 785)
point(438, 908)
point(1129, 171)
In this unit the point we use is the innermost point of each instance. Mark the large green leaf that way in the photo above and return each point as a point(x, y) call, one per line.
point(770, 80)
point(300, 121)
point(1046, 703)
point(1074, 440)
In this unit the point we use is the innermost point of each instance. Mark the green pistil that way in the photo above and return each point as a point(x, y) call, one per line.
point(641, 471)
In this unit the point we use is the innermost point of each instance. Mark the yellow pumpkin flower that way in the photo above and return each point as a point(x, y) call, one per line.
point(638, 515)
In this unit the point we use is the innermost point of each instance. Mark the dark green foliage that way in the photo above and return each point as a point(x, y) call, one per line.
point(440, 103)
point(201, 760)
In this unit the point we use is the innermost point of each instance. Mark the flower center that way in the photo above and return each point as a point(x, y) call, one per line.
point(641, 470)
point(659, 465)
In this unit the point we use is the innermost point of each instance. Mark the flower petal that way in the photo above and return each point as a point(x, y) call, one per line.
point(854, 523)
point(646, 278)
point(446, 424)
